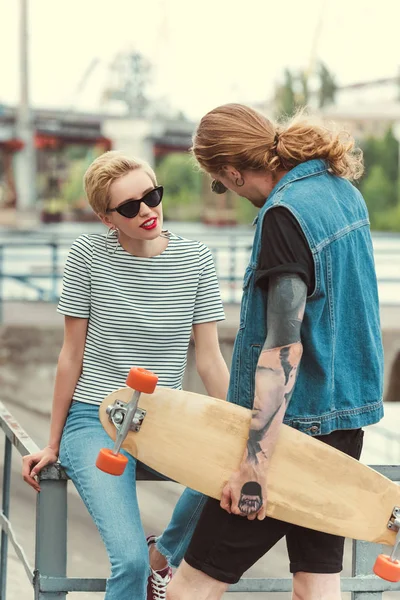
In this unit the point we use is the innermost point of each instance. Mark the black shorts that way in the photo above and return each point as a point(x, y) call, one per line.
point(224, 546)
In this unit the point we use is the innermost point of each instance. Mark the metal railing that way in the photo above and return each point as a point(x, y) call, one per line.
point(386, 442)
point(48, 576)
point(32, 269)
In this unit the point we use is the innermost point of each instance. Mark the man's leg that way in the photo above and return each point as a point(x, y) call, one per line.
point(316, 558)
point(316, 562)
point(316, 586)
point(191, 584)
point(223, 547)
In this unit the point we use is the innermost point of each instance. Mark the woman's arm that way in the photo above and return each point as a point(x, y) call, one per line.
point(69, 368)
point(210, 363)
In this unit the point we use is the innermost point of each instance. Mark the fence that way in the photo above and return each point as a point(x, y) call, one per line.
point(32, 269)
point(48, 576)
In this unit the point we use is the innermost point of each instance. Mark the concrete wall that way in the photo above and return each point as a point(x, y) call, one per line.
point(391, 345)
point(130, 136)
point(28, 357)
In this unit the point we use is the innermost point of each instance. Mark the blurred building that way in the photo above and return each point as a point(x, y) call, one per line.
point(364, 119)
point(61, 135)
point(55, 131)
point(66, 141)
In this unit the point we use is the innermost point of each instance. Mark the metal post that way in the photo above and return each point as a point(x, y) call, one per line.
point(232, 269)
point(25, 161)
point(54, 254)
point(396, 133)
point(397, 126)
point(51, 531)
point(1, 283)
point(216, 259)
point(6, 512)
point(364, 555)
point(398, 83)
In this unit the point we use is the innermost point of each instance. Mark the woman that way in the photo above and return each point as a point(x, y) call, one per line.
point(132, 297)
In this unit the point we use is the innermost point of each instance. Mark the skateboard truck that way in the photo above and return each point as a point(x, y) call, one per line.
point(119, 412)
point(126, 417)
point(388, 567)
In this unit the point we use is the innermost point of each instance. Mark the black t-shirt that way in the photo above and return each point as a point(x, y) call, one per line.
point(284, 249)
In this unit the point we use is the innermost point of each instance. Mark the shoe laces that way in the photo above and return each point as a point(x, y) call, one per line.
point(159, 585)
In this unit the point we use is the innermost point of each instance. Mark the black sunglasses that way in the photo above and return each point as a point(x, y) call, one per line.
point(218, 187)
point(130, 208)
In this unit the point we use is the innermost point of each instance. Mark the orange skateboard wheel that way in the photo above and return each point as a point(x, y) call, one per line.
point(113, 464)
point(141, 380)
point(387, 569)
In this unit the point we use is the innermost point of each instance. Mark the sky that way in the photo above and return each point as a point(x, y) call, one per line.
point(204, 53)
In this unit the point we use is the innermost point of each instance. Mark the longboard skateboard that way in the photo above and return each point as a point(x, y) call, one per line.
point(199, 442)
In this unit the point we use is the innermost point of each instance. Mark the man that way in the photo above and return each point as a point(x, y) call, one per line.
point(308, 352)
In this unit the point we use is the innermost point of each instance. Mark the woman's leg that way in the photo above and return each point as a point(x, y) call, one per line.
point(111, 502)
point(176, 538)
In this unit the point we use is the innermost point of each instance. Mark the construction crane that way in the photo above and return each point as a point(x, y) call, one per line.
point(310, 71)
point(82, 83)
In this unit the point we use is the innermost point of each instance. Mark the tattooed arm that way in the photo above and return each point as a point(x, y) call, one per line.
point(246, 492)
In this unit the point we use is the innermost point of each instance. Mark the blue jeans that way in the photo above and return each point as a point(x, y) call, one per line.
point(112, 504)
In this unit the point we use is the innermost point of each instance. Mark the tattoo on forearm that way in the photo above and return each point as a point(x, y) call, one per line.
point(279, 360)
point(251, 499)
point(287, 296)
point(255, 437)
point(285, 362)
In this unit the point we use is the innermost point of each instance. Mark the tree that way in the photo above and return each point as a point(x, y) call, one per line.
point(389, 157)
point(72, 190)
point(182, 184)
point(327, 86)
point(304, 94)
point(371, 151)
point(295, 92)
point(377, 190)
point(285, 95)
point(383, 152)
point(388, 220)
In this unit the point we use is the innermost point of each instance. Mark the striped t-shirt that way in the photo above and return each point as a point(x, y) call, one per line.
point(140, 311)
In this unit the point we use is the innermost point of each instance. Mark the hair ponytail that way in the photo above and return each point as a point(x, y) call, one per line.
point(236, 135)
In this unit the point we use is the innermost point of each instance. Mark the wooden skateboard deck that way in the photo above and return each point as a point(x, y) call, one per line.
point(199, 441)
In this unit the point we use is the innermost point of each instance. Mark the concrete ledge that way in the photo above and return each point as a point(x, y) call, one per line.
point(32, 335)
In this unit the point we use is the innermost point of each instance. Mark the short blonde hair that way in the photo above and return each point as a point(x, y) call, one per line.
point(237, 135)
point(104, 171)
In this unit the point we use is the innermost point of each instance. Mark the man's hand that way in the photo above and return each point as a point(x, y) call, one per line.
point(245, 494)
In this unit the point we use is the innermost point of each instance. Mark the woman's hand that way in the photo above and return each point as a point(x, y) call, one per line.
point(32, 464)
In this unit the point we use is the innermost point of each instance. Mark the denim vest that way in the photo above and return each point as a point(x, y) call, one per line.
point(340, 378)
